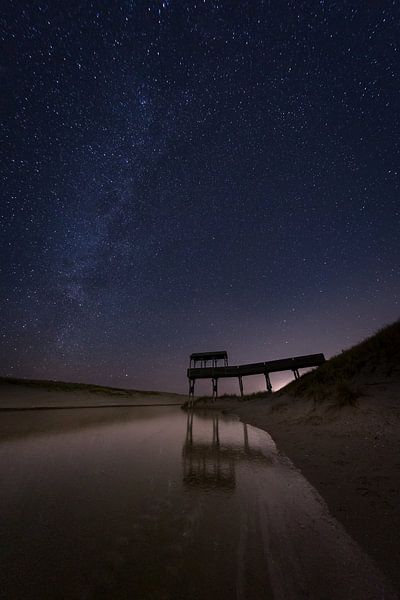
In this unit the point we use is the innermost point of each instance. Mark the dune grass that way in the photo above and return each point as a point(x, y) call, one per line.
point(339, 378)
point(244, 398)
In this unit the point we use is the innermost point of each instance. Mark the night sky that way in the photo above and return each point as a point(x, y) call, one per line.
point(193, 176)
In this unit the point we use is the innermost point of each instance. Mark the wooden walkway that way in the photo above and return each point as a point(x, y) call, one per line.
point(262, 368)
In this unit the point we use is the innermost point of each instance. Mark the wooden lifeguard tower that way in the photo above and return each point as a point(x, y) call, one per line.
point(215, 371)
point(205, 357)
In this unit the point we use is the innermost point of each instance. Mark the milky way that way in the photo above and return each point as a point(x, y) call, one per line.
point(189, 176)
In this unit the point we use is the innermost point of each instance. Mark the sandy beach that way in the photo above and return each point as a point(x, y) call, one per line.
point(349, 454)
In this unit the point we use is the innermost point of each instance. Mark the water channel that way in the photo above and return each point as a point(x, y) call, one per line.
point(154, 503)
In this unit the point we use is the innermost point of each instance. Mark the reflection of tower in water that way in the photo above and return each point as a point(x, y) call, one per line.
point(211, 464)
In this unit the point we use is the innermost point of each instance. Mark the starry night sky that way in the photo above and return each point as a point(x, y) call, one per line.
point(192, 176)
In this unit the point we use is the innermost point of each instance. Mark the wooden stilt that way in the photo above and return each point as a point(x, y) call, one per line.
point(268, 382)
point(191, 391)
point(241, 385)
point(214, 389)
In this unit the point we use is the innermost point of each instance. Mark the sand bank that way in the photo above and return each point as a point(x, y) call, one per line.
point(349, 454)
point(17, 396)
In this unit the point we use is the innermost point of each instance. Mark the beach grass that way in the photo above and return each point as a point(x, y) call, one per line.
point(339, 378)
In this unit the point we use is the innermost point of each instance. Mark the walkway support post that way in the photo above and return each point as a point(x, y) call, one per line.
point(240, 385)
point(214, 389)
point(268, 382)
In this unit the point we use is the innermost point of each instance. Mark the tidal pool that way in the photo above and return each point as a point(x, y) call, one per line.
point(154, 503)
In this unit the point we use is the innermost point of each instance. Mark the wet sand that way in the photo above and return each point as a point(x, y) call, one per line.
point(350, 455)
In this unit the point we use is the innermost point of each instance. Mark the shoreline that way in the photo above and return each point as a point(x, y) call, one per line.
point(349, 454)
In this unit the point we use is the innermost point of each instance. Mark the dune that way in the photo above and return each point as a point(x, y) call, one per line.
point(24, 394)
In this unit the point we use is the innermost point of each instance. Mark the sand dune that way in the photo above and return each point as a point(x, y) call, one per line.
point(39, 395)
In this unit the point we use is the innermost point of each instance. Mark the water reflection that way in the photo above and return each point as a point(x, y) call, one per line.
point(209, 460)
point(162, 505)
